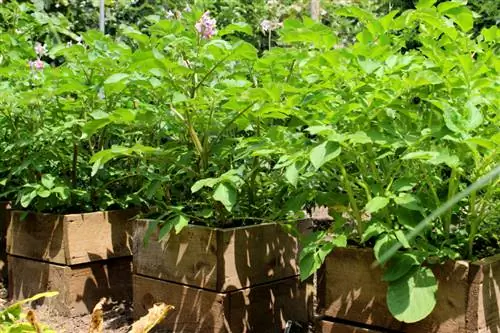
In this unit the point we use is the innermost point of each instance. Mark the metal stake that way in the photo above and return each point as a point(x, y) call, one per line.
point(101, 16)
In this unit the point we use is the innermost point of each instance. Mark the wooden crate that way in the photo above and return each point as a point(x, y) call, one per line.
point(4, 208)
point(70, 239)
point(326, 326)
point(467, 299)
point(217, 259)
point(80, 286)
point(263, 308)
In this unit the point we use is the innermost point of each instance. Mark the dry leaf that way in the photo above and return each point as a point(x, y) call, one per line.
point(96, 322)
point(154, 316)
point(31, 317)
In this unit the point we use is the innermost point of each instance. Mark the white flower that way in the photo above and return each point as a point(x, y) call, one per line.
point(267, 25)
point(40, 49)
point(170, 14)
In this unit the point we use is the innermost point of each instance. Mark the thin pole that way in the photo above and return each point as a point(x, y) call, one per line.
point(315, 9)
point(101, 16)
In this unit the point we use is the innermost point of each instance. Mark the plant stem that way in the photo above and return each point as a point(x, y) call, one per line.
point(352, 200)
point(452, 189)
point(474, 225)
point(481, 182)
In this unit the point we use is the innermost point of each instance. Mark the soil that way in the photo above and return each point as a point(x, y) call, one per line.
point(117, 317)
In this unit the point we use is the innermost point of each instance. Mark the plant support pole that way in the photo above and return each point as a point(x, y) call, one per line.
point(101, 16)
point(315, 10)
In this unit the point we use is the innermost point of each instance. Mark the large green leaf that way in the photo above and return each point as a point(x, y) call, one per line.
point(376, 204)
point(399, 266)
point(323, 153)
point(412, 297)
point(383, 244)
point(226, 194)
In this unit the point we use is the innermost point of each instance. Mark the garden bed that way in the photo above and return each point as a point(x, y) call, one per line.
point(83, 256)
point(221, 280)
point(467, 297)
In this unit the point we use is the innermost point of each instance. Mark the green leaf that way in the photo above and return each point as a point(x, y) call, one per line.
point(292, 173)
point(27, 198)
point(209, 182)
point(62, 192)
point(420, 155)
point(165, 229)
point(383, 244)
point(412, 297)
point(339, 241)
point(425, 4)
point(236, 27)
point(400, 235)
point(323, 153)
point(408, 201)
point(376, 204)
point(462, 16)
point(309, 264)
point(91, 127)
point(359, 137)
point(48, 181)
point(427, 77)
point(43, 193)
point(368, 66)
point(491, 34)
point(226, 194)
point(115, 78)
point(179, 222)
point(399, 266)
point(404, 184)
point(373, 230)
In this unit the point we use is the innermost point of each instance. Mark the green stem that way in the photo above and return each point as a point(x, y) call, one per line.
point(474, 224)
point(452, 189)
point(352, 200)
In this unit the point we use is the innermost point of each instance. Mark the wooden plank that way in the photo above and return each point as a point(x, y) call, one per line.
point(70, 239)
point(262, 308)
point(330, 327)
point(37, 236)
point(197, 310)
point(353, 291)
point(217, 259)
point(467, 297)
point(4, 210)
point(267, 307)
point(189, 257)
point(114, 230)
point(80, 287)
point(483, 310)
point(451, 305)
point(255, 255)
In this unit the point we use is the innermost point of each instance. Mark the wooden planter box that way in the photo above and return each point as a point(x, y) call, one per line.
point(352, 294)
point(221, 280)
point(4, 208)
point(83, 256)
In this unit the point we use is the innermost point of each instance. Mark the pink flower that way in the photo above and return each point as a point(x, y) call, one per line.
point(37, 64)
point(206, 26)
point(40, 49)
